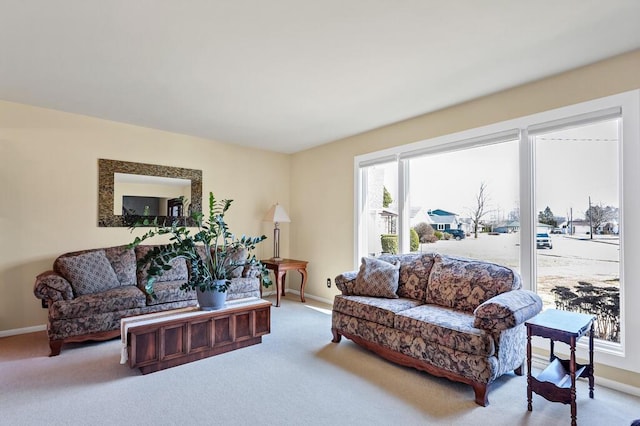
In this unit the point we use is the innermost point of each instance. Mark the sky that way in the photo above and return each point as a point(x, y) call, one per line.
point(576, 164)
point(571, 165)
point(451, 181)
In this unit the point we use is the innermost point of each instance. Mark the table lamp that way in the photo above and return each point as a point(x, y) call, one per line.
point(277, 215)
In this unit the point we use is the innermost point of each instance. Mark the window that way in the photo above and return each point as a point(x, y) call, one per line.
point(555, 199)
point(379, 210)
point(471, 196)
point(578, 221)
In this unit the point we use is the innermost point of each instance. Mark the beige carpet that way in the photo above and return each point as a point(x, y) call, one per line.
point(296, 376)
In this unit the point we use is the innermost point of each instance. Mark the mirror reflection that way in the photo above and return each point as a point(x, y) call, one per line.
point(150, 195)
point(129, 191)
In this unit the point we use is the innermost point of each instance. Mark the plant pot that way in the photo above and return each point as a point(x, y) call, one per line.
point(211, 300)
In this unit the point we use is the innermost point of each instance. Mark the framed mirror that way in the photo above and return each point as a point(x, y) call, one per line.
point(128, 191)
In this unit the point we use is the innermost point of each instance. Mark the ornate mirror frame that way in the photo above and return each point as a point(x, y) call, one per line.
point(106, 171)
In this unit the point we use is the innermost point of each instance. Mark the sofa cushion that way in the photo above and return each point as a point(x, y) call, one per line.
point(464, 284)
point(376, 278)
point(177, 272)
point(507, 310)
point(374, 309)
point(123, 261)
point(446, 327)
point(88, 272)
point(114, 300)
point(414, 273)
point(243, 287)
point(169, 291)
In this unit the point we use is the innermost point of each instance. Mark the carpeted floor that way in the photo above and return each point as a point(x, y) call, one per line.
point(295, 376)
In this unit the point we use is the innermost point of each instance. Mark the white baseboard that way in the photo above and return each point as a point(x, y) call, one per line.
point(540, 362)
point(26, 330)
point(308, 296)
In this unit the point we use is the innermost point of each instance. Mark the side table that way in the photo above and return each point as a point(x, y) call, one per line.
point(280, 268)
point(557, 383)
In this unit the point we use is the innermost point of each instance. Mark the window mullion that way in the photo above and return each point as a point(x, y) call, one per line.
point(403, 206)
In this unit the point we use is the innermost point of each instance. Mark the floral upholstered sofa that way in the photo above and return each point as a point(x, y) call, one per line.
point(88, 292)
point(457, 318)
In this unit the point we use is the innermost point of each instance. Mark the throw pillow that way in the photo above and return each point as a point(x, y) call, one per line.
point(236, 255)
point(123, 261)
point(414, 273)
point(89, 272)
point(178, 271)
point(377, 278)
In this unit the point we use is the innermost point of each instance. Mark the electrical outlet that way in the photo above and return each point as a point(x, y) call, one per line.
point(328, 282)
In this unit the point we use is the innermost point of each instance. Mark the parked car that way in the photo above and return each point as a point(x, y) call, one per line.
point(543, 240)
point(458, 234)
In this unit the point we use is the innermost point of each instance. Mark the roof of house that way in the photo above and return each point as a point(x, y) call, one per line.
point(440, 212)
point(388, 212)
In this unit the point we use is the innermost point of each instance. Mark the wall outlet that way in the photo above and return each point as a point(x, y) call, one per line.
point(328, 282)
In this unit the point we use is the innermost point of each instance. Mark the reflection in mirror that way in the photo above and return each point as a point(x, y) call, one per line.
point(129, 191)
point(150, 195)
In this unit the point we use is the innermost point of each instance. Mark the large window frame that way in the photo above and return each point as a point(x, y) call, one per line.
point(626, 354)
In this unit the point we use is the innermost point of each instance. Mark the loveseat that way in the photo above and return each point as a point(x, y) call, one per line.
point(89, 291)
point(458, 318)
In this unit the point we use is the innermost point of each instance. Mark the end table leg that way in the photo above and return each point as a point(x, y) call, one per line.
point(303, 272)
point(572, 374)
point(284, 282)
point(591, 380)
point(529, 393)
point(279, 286)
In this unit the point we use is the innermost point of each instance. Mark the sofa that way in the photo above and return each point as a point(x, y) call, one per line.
point(462, 319)
point(89, 291)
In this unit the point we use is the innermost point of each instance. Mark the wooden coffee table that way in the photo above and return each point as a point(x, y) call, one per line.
point(165, 339)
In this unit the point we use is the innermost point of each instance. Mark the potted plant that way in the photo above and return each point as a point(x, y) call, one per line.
point(211, 253)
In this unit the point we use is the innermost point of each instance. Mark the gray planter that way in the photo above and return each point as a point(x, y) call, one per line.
point(211, 300)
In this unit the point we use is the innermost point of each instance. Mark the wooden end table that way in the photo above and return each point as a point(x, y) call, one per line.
point(557, 383)
point(280, 268)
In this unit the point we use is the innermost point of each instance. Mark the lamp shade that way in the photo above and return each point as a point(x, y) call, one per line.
point(276, 214)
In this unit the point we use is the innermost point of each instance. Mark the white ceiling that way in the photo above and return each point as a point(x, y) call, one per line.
point(286, 75)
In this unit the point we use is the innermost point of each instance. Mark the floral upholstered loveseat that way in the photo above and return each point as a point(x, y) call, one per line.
point(88, 292)
point(457, 318)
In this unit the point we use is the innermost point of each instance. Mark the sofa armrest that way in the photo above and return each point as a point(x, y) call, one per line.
point(507, 310)
point(345, 281)
point(52, 287)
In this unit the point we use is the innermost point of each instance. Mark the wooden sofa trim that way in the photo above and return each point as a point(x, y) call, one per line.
point(481, 390)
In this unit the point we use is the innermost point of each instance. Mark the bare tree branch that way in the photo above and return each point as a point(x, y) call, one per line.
point(480, 208)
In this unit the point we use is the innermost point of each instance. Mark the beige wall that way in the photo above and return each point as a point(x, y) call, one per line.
point(48, 187)
point(322, 209)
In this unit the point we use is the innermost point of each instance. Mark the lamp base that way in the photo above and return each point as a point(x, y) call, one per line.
point(277, 259)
